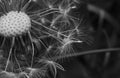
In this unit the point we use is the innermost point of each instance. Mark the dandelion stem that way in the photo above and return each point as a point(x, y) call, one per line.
point(3, 8)
point(26, 6)
point(46, 12)
point(3, 42)
point(43, 25)
point(33, 51)
point(47, 27)
point(21, 39)
point(6, 4)
point(85, 53)
point(10, 52)
point(17, 62)
point(42, 43)
point(39, 38)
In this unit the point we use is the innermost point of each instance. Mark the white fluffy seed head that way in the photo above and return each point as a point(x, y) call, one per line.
point(14, 23)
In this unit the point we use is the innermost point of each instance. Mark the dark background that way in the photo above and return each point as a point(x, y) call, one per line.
point(105, 32)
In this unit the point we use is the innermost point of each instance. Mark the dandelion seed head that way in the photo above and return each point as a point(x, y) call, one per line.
point(5, 74)
point(40, 32)
point(34, 0)
point(14, 23)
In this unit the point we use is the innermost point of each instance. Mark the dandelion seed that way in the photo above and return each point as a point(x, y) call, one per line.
point(23, 75)
point(5, 74)
point(34, 0)
point(66, 46)
point(53, 66)
point(36, 72)
point(23, 30)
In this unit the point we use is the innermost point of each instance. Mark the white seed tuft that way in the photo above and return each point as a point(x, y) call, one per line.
point(14, 23)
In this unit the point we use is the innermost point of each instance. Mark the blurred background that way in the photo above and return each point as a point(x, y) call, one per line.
point(103, 20)
point(101, 24)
